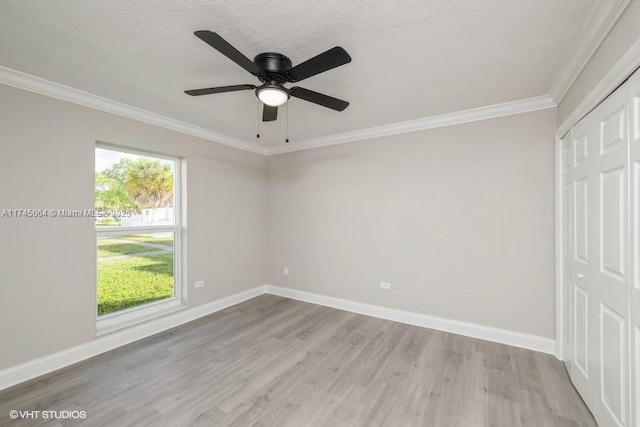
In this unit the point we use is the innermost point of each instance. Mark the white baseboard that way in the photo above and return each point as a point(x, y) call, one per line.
point(30, 370)
point(516, 339)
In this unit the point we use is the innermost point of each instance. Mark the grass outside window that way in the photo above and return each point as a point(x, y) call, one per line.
point(134, 270)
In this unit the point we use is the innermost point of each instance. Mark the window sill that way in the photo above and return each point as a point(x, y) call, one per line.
point(117, 321)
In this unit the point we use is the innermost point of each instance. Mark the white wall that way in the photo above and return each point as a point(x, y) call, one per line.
point(458, 219)
point(47, 266)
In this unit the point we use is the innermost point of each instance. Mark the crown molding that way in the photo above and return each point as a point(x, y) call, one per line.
point(603, 16)
point(621, 70)
point(41, 86)
point(55, 90)
point(442, 120)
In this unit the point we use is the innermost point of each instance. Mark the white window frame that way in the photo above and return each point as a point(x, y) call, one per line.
point(130, 316)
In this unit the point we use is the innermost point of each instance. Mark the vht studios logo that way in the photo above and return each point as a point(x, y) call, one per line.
point(47, 415)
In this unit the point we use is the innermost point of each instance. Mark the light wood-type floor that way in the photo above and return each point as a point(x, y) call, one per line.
point(273, 361)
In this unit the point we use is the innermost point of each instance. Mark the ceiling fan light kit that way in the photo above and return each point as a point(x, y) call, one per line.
point(272, 95)
point(274, 70)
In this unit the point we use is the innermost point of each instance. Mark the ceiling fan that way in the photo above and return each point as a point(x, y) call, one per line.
point(274, 70)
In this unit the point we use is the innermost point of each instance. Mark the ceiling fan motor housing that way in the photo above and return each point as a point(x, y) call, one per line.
point(273, 66)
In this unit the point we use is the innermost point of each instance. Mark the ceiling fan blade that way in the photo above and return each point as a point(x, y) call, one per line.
point(220, 89)
point(269, 113)
point(222, 46)
point(319, 64)
point(319, 98)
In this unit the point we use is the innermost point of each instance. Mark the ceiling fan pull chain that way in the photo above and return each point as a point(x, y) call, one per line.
point(287, 138)
point(258, 119)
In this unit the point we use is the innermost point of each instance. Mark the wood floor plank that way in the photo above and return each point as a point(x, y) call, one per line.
point(272, 361)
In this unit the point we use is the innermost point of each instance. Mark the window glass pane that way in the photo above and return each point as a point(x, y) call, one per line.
point(134, 269)
point(133, 190)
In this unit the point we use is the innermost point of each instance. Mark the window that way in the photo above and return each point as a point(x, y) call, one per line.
point(137, 209)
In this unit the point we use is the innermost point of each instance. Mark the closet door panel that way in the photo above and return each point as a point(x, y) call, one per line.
point(611, 279)
point(582, 189)
point(612, 245)
point(602, 252)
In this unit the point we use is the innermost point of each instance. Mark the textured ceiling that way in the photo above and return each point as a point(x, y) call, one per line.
point(411, 59)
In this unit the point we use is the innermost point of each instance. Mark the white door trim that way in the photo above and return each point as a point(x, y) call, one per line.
point(559, 249)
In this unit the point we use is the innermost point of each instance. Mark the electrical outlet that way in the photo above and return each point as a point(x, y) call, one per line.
point(286, 271)
point(385, 285)
point(199, 284)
